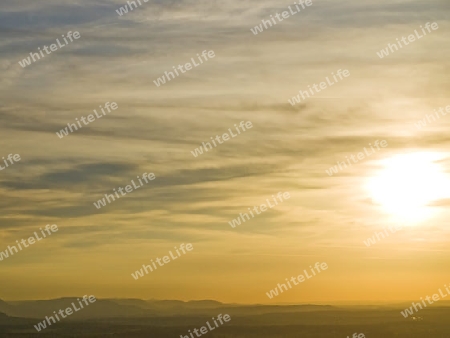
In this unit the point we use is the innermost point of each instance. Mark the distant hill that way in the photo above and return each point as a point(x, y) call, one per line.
point(103, 308)
point(136, 318)
point(7, 320)
point(138, 308)
point(6, 308)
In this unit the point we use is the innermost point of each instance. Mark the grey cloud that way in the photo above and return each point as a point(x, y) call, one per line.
point(86, 175)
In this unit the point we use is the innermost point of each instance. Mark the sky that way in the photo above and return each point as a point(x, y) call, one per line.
point(193, 199)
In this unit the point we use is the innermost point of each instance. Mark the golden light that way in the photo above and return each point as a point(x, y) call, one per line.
point(407, 185)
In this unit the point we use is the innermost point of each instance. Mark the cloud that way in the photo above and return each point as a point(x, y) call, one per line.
point(155, 129)
point(85, 175)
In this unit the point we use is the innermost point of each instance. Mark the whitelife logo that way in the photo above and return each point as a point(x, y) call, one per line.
point(68, 311)
point(262, 208)
point(11, 158)
point(188, 66)
point(411, 38)
point(165, 259)
point(225, 137)
point(30, 240)
point(299, 278)
point(423, 123)
point(284, 14)
point(90, 118)
point(360, 156)
point(204, 329)
point(124, 10)
point(53, 47)
point(417, 306)
point(146, 177)
point(378, 236)
point(303, 95)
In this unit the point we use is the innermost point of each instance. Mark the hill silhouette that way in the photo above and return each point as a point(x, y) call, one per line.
point(171, 318)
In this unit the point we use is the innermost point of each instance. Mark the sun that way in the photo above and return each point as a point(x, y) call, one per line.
point(407, 184)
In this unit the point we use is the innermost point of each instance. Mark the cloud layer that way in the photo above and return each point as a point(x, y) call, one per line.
point(155, 129)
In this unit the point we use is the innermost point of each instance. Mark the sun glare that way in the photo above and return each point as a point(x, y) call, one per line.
point(407, 185)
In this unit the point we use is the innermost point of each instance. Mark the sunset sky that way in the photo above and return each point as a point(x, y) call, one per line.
point(192, 199)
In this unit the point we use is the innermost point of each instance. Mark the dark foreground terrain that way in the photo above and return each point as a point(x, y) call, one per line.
point(161, 319)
